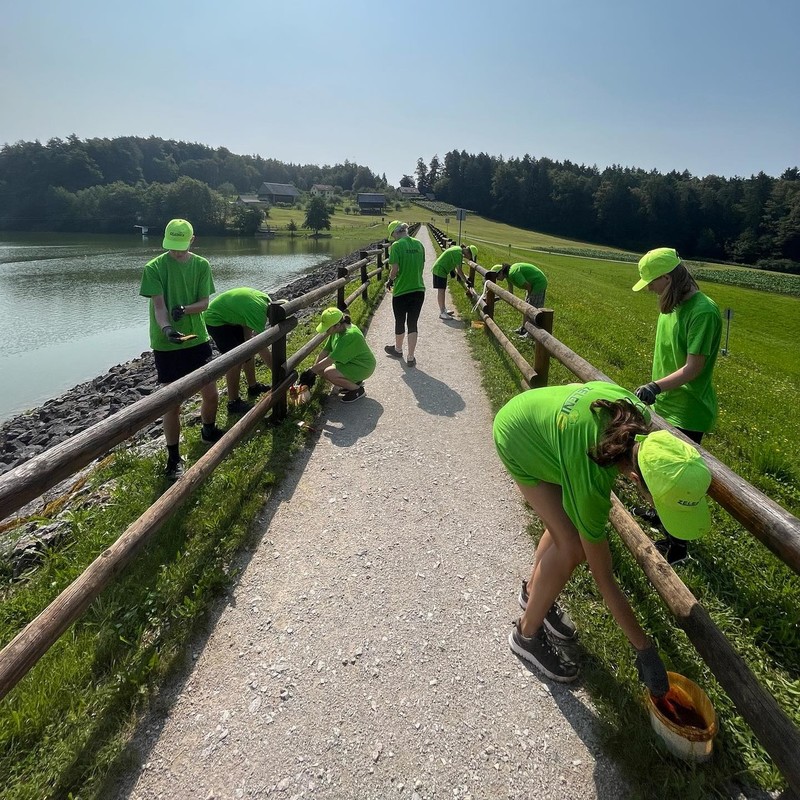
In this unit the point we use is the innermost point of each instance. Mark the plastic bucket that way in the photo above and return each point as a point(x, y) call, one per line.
point(477, 324)
point(688, 743)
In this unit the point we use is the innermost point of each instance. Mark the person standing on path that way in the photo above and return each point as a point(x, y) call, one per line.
point(449, 263)
point(687, 343)
point(232, 318)
point(346, 359)
point(179, 283)
point(565, 447)
point(527, 277)
point(406, 266)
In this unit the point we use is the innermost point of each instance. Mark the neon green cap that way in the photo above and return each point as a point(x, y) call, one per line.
point(474, 251)
point(678, 479)
point(178, 235)
point(330, 316)
point(656, 263)
point(392, 225)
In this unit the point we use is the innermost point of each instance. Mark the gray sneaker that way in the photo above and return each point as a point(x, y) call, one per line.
point(557, 621)
point(543, 654)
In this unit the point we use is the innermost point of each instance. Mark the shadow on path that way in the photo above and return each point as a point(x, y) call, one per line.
point(432, 395)
point(345, 423)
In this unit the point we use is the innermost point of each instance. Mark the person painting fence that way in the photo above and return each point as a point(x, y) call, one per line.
point(527, 277)
point(565, 446)
point(449, 263)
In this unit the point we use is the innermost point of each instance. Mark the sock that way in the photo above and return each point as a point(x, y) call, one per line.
point(208, 428)
point(173, 454)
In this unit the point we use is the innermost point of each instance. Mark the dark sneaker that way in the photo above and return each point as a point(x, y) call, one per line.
point(674, 550)
point(353, 395)
point(542, 654)
point(557, 621)
point(391, 351)
point(174, 470)
point(212, 436)
point(649, 515)
point(258, 388)
point(239, 406)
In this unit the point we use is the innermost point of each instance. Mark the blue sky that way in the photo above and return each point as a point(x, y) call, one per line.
point(711, 86)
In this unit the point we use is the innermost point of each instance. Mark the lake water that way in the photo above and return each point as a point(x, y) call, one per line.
point(70, 306)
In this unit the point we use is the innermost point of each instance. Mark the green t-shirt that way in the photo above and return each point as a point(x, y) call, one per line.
point(545, 435)
point(351, 354)
point(409, 254)
point(246, 307)
point(181, 283)
point(447, 261)
point(522, 274)
point(693, 328)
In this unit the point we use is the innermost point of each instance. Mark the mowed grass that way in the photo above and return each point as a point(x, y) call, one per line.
point(64, 728)
point(749, 593)
point(341, 223)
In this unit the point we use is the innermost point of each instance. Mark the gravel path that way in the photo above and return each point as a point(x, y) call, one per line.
point(363, 652)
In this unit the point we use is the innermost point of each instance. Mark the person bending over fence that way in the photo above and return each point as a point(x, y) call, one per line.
point(232, 318)
point(687, 343)
point(346, 359)
point(527, 277)
point(565, 447)
point(179, 284)
point(406, 265)
point(449, 262)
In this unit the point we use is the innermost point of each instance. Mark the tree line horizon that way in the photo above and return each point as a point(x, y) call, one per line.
point(103, 185)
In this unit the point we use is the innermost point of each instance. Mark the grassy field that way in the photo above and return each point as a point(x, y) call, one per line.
point(749, 593)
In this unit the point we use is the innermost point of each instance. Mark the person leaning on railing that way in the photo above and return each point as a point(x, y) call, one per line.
point(232, 318)
point(449, 262)
point(687, 343)
point(565, 447)
point(346, 359)
point(179, 284)
point(527, 277)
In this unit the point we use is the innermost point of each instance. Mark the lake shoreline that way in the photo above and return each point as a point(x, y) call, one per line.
point(26, 435)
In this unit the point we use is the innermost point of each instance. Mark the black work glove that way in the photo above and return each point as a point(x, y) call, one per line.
point(651, 671)
point(307, 378)
point(174, 336)
point(470, 284)
point(647, 393)
point(452, 273)
point(178, 313)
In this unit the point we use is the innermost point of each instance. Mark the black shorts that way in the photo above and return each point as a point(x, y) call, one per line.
point(439, 282)
point(174, 364)
point(406, 310)
point(226, 337)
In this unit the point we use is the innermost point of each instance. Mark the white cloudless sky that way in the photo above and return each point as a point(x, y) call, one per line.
point(709, 86)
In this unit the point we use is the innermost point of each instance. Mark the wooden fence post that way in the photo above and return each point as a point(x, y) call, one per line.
point(277, 314)
point(541, 355)
point(341, 272)
point(379, 276)
point(491, 275)
point(365, 258)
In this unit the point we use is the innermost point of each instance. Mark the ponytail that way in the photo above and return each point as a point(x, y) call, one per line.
point(619, 435)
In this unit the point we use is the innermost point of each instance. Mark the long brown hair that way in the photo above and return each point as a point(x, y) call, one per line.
point(680, 287)
point(619, 436)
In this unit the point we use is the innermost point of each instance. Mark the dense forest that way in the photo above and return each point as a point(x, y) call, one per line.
point(752, 220)
point(108, 185)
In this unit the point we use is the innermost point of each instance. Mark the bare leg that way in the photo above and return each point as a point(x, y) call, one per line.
point(250, 371)
point(440, 299)
point(556, 564)
point(172, 425)
point(232, 377)
point(209, 403)
point(337, 379)
point(412, 345)
point(399, 338)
